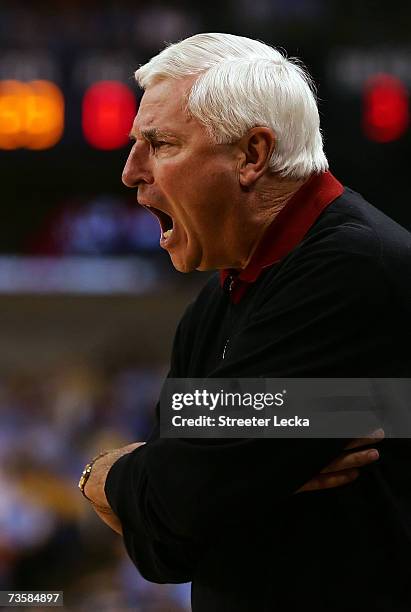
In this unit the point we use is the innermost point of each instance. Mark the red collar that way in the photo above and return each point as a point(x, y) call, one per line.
point(286, 231)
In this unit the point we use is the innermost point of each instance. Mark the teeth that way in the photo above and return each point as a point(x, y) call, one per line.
point(167, 233)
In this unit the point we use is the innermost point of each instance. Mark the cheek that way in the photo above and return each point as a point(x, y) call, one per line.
point(173, 180)
point(200, 191)
point(179, 185)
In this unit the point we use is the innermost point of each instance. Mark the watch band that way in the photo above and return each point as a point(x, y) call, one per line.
point(87, 471)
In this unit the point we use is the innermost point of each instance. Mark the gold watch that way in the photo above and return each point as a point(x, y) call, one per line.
point(86, 473)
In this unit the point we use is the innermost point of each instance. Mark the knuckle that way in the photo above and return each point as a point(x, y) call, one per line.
point(343, 478)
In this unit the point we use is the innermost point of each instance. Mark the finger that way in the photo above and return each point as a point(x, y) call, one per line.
point(352, 460)
point(374, 437)
point(329, 481)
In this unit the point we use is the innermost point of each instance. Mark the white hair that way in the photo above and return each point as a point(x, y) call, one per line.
point(244, 83)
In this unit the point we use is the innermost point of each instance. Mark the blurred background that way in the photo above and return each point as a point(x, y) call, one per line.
point(89, 302)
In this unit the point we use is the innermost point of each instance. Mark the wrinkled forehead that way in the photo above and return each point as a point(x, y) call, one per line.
point(165, 103)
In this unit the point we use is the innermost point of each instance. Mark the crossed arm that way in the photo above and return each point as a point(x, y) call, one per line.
point(341, 471)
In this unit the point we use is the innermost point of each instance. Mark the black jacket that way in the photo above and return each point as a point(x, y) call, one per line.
point(222, 514)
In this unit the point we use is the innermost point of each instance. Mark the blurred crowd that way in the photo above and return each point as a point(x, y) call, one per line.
point(49, 537)
point(100, 225)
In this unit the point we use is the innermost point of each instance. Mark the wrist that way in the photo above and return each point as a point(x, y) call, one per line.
point(86, 474)
point(95, 473)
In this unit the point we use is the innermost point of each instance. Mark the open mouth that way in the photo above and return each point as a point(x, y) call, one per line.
point(165, 220)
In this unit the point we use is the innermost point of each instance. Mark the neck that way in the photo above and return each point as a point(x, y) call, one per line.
point(265, 206)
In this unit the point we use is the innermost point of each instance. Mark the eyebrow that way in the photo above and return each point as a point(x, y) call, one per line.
point(151, 134)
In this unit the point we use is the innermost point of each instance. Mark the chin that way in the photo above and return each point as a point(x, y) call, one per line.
point(186, 261)
point(182, 266)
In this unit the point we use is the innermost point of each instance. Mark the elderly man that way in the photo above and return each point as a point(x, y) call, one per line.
point(312, 281)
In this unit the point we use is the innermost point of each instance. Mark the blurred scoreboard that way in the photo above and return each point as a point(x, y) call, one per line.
point(32, 114)
point(42, 104)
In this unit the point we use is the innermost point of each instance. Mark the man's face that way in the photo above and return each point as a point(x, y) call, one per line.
point(190, 183)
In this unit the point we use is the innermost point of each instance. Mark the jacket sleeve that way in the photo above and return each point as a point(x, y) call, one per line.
point(160, 555)
point(173, 495)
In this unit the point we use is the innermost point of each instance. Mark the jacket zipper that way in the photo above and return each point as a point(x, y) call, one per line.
point(225, 347)
point(230, 289)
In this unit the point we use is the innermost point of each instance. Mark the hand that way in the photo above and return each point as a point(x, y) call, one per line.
point(94, 489)
point(344, 469)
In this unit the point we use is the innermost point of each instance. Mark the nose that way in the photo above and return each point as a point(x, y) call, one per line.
point(136, 168)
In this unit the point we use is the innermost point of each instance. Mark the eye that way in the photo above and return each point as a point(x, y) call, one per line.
point(158, 144)
point(133, 142)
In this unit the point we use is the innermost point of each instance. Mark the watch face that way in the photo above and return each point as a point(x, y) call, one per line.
point(84, 477)
point(82, 482)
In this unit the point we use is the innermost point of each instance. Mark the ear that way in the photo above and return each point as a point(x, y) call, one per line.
point(256, 146)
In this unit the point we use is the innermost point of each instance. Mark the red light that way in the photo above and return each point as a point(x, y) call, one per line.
point(109, 108)
point(386, 114)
